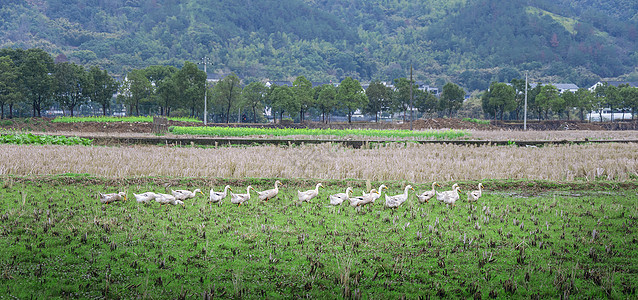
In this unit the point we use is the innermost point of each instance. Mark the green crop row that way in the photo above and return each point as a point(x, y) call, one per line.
point(235, 131)
point(32, 139)
point(477, 121)
point(103, 119)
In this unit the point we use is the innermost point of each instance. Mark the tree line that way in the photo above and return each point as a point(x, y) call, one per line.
point(544, 102)
point(30, 78)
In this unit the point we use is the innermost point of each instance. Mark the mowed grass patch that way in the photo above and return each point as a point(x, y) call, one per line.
point(105, 119)
point(246, 131)
point(60, 241)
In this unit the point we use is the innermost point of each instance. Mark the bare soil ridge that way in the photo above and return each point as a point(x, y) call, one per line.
point(45, 125)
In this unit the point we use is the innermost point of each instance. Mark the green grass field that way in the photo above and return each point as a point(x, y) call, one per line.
point(59, 241)
point(247, 131)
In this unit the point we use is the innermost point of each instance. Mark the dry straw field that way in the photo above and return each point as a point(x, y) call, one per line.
point(411, 162)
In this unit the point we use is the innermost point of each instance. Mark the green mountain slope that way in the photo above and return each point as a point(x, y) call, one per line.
point(471, 42)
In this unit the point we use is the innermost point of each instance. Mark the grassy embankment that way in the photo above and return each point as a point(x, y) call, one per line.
point(245, 131)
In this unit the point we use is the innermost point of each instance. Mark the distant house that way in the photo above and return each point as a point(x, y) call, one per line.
point(613, 83)
point(214, 78)
point(426, 88)
point(561, 87)
point(279, 83)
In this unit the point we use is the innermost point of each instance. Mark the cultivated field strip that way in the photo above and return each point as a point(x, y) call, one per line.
point(411, 162)
point(493, 135)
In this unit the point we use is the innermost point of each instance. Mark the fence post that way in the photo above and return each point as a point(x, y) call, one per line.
point(160, 125)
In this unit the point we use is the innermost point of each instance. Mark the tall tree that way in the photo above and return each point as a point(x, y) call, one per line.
point(326, 100)
point(162, 86)
point(425, 102)
point(167, 94)
point(191, 84)
point(350, 95)
point(499, 98)
point(570, 101)
point(584, 102)
point(302, 89)
point(519, 87)
point(253, 97)
point(379, 98)
point(451, 98)
point(630, 97)
point(38, 83)
point(547, 99)
point(71, 87)
point(9, 87)
point(227, 93)
point(281, 100)
point(102, 87)
point(401, 95)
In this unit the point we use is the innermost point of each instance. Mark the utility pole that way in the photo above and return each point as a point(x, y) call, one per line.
point(205, 61)
point(525, 110)
point(411, 100)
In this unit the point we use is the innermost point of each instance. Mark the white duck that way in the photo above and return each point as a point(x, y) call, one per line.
point(144, 197)
point(449, 197)
point(110, 198)
point(186, 194)
point(365, 199)
point(216, 197)
point(475, 195)
point(377, 195)
point(397, 200)
point(240, 198)
point(269, 194)
point(337, 199)
point(308, 195)
point(427, 195)
point(164, 199)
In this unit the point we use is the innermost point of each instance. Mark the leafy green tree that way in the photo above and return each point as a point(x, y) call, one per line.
point(167, 94)
point(163, 88)
point(519, 87)
point(401, 95)
point(570, 101)
point(9, 86)
point(426, 102)
point(134, 89)
point(302, 89)
point(548, 99)
point(500, 98)
point(253, 97)
point(630, 97)
point(71, 87)
point(36, 68)
point(227, 94)
point(599, 101)
point(612, 99)
point(452, 98)
point(191, 84)
point(379, 98)
point(584, 102)
point(326, 100)
point(350, 95)
point(281, 100)
point(101, 87)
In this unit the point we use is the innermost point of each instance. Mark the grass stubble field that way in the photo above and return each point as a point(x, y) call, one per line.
point(554, 222)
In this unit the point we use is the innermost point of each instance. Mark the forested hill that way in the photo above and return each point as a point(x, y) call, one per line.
point(470, 42)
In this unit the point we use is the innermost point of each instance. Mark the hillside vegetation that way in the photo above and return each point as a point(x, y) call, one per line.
point(471, 42)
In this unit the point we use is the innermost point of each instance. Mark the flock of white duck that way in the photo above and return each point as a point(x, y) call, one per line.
point(177, 197)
